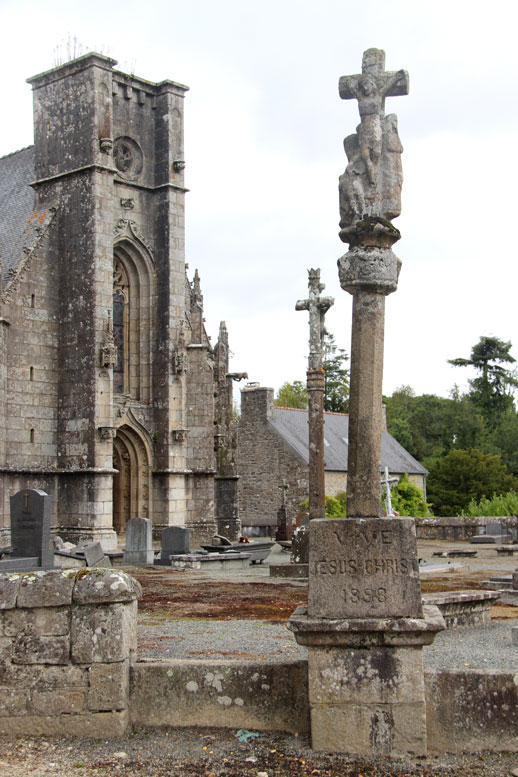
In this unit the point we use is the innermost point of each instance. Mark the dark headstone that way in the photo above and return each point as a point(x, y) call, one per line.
point(30, 527)
point(175, 541)
point(139, 542)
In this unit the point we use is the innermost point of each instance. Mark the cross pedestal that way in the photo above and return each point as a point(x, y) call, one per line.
point(365, 628)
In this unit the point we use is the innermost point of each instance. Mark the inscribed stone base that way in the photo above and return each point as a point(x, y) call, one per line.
point(369, 730)
point(363, 568)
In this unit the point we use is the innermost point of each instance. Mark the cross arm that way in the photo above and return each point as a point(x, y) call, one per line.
point(348, 87)
point(397, 84)
point(324, 303)
point(302, 304)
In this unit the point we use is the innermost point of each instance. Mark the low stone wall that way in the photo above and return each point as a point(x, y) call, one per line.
point(472, 710)
point(68, 668)
point(457, 528)
point(66, 641)
point(269, 696)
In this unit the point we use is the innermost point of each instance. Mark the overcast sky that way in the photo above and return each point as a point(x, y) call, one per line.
point(264, 132)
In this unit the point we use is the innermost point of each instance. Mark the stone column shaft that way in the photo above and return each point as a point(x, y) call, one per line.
point(317, 486)
point(365, 407)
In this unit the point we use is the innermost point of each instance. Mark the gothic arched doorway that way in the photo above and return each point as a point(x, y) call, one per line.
point(131, 484)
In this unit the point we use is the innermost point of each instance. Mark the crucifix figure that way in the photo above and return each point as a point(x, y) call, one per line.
point(370, 89)
point(317, 307)
point(372, 181)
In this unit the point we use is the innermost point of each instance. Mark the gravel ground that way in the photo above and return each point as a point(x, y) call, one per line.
point(483, 647)
point(218, 753)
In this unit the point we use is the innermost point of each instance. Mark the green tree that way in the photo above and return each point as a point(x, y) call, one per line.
point(336, 387)
point(465, 475)
point(292, 395)
point(408, 499)
point(501, 506)
point(492, 390)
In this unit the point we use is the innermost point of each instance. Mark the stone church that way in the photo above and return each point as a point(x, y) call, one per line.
point(112, 398)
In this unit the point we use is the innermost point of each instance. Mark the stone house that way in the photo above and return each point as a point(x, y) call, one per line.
point(112, 398)
point(273, 448)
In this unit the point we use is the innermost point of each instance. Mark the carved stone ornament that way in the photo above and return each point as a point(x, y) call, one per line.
point(108, 356)
point(370, 268)
point(179, 363)
point(179, 435)
point(371, 183)
point(127, 204)
point(105, 145)
point(128, 157)
point(219, 441)
point(130, 229)
point(107, 432)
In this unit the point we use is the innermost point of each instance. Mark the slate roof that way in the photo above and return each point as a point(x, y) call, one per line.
point(292, 425)
point(16, 204)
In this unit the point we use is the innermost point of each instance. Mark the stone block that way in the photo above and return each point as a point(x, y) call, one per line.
point(28, 649)
point(48, 678)
point(364, 567)
point(99, 585)
point(13, 701)
point(101, 634)
point(375, 675)
point(108, 686)
point(40, 621)
point(242, 694)
point(46, 589)
point(64, 702)
point(99, 725)
point(369, 730)
point(9, 585)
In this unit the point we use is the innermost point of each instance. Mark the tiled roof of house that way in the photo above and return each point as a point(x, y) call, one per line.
point(292, 425)
point(16, 204)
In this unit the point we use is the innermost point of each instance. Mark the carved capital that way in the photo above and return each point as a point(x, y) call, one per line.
point(369, 268)
point(105, 145)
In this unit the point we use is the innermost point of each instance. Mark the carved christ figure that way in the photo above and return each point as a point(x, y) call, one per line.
point(370, 89)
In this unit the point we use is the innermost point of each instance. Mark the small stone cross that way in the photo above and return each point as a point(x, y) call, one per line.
point(318, 307)
point(374, 82)
point(386, 481)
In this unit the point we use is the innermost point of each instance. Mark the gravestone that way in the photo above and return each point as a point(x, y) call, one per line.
point(175, 541)
point(30, 531)
point(139, 545)
point(94, 553)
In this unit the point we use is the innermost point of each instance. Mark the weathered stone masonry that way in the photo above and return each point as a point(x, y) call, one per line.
point(112, 398)
point(66, 639)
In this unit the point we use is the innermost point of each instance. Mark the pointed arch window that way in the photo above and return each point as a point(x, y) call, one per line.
point(120, 327)
point(133, 307)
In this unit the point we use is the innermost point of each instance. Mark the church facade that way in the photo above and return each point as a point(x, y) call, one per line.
point(112, 398)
